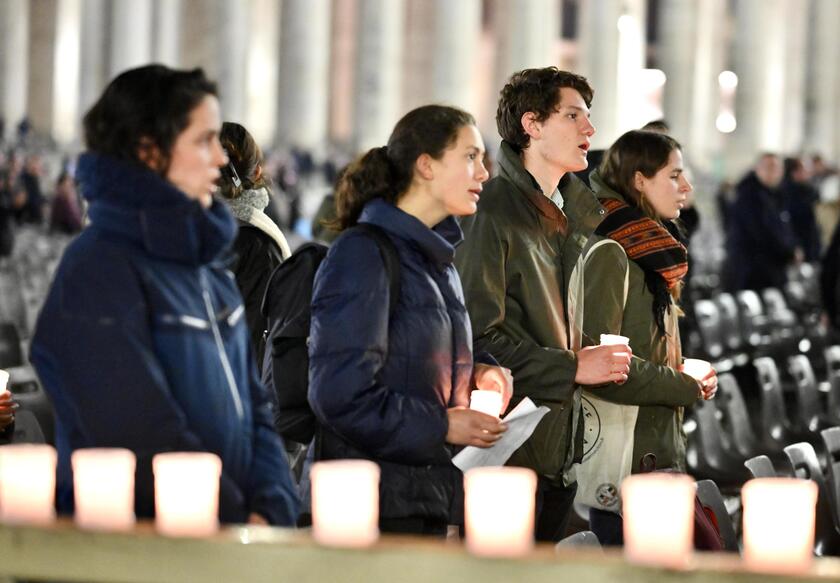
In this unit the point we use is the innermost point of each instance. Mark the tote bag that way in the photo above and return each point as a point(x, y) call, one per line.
point(608, 427)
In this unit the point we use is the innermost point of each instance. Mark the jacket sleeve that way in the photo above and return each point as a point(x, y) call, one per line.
point(759, 218)
point(348, 346)
point(253, 269)
point(94, 352)
point(273, 493)
point(539, 372)
point(647, 383)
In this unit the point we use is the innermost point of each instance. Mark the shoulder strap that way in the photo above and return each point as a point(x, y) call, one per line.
point(389, 257)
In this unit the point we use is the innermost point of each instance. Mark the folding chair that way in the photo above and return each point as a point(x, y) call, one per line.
point(805, 465)
point(831, 439)
point(584, 538)
point(776, 427)
point(709, 495)
point(761, 466)
point(812, 417)
point(736, 417)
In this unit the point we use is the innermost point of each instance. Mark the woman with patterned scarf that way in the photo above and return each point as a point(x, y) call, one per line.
point(633, 289)
point(260, 246)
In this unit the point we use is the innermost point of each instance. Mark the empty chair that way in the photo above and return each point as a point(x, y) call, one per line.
point(730, 325)
point(709, 495)
point(760, 466)
point(812, 417)
point(753, 320)
point(831, 439)
point(707, 455)
point(11, 352)
point(785, 327)
point(584, 538)
point(27, 429)
point(776, 427)
point(708, 321)
point(736, 418)
point(805, 465)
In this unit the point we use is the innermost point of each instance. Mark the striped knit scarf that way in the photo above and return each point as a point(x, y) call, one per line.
point(655, 247)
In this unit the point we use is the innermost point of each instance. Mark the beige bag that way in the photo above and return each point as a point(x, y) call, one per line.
point(608, 427)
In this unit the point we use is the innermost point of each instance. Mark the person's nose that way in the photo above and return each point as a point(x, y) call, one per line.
point(588, 128)
point(685, 185)
point(482, 174)
point(220, 157)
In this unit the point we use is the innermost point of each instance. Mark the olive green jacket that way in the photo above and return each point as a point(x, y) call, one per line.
point(515, 263)
point(653, 383)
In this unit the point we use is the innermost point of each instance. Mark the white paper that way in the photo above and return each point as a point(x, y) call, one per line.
point(521, 422)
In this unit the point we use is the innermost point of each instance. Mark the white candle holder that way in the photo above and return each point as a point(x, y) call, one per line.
point(658, 510)
point(779, 519)
point(103, 486)
point(187, 493)
point(499, 510)
point(27, 483)
point(614, 340)
point(696, 368)
point(489, 402)
point(345, 503)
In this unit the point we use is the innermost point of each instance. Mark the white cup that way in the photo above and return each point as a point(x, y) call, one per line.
point(345, 503)
point(614, 339)
point(187, 493)
point(489, 402)
point(103, 485)
point(4, 381)
point(696, 368)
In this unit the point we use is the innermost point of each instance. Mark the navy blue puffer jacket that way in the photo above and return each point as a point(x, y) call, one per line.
point(142, 344)
point(381, 388)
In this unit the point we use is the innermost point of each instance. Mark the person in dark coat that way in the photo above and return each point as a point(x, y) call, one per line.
point(65, 213)
point(141, 342)
point(760, 242)
point(260, 245)
point(800, 199)
point(395, 389)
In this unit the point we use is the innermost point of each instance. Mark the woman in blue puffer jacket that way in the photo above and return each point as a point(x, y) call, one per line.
point(393, 387)
point(142, 342)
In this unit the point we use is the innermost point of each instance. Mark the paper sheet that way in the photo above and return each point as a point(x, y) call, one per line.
point(521, 422)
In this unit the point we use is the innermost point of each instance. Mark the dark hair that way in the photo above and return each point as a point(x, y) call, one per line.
point(657, 125)
point(245, 156)
point(537, 91)
point(387, 172)
point(150, 103)
point(636, 151)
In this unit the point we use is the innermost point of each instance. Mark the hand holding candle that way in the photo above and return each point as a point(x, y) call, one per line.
point(703, 372)
point(494, 378)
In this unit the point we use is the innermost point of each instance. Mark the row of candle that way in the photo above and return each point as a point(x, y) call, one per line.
point(658, 508)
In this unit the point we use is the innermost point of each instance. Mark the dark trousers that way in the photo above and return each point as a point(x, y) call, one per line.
point(608, 526)
point(553, 509)
point(413, 525)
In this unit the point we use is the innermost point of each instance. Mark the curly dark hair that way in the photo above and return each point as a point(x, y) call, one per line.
point(537, 91)
point(146, 106)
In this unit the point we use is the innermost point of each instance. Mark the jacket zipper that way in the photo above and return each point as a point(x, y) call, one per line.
point(234, 391)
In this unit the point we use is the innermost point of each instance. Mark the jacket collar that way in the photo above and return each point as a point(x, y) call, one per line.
point(438, 243)
point(511, 168)
point(129, 201)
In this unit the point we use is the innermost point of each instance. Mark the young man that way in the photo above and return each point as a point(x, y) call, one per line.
point(519, 250)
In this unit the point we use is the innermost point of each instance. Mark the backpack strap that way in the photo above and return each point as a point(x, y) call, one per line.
point(389, 256)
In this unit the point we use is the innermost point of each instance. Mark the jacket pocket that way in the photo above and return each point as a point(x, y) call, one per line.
point(546, 450)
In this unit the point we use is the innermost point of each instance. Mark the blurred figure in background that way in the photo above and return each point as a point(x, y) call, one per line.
point(760, 242)
point(260, 245)
point(800, 198)
point(65, 212)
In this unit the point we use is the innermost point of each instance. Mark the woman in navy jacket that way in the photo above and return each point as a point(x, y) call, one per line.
point(393, 388)
point(142, 342)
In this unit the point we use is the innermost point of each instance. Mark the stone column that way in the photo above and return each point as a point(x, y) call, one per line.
point(131, 38)
point(612, 51)
point(378, 68)
point(791, 109)
point(232, 50)
point(41, 86)
point(65, 96)
point(456, 49)
point(418, 61)
point(345, 39)
point(168, 21)
point(304, 73)
point(691, 41)
point(527, 32)
point(262, 84)
point(14, 61)
point(823, 121)
point(199, 42)
point(94, 73)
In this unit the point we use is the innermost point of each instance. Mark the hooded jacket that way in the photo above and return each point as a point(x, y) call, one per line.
point(380, 387)
point(142, 344)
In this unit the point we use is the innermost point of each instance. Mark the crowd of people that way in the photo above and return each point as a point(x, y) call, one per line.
point(439, 279)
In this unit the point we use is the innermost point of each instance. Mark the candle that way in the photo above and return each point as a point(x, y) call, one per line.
point(345, 503)
point(187, 493)
point(658, 511)
point(696, 368)
point(4, 381)
point(103, 485)
point(27, 483)
point(499, 510)
point(614, 339)
point(779, 523)
point(489, 402)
